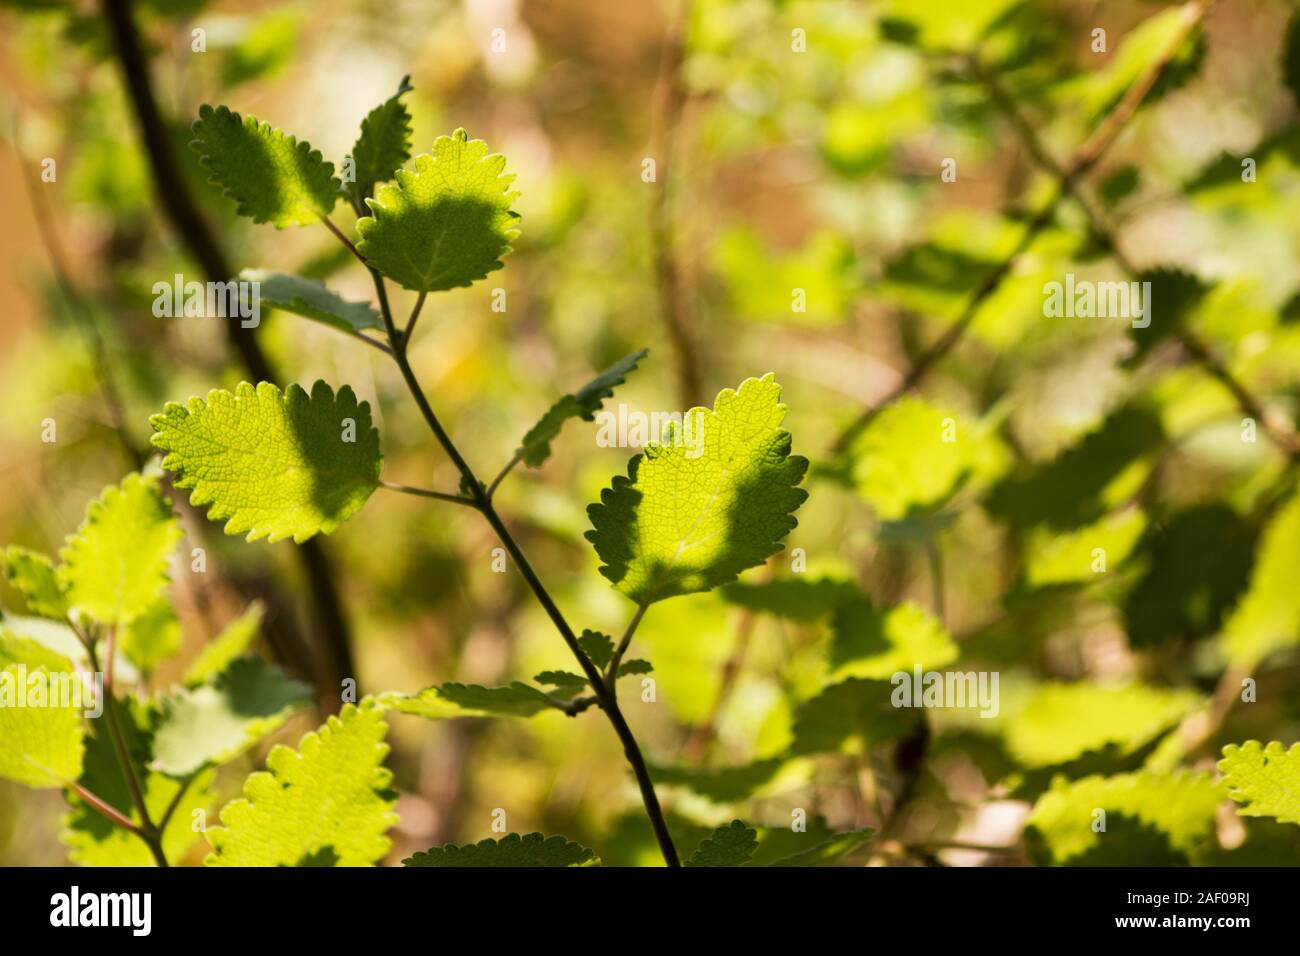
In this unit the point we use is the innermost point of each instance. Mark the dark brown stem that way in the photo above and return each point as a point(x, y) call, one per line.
point(670, 97)
point(107, 809)
point(182, 213)
point(86, 320)
point(604, 697)
point(145, 830)
point(428, 493)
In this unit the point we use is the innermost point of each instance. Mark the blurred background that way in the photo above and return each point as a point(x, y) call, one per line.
point(798, 147)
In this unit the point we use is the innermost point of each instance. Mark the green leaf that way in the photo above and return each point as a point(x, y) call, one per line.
point(16, 649)
point(264, 48)
point(1064, 721)
point(850, 716)
point(312, 300)
point(565, 683)
point(826, 852)
point(327, 803)
point(276, 466)
point(1072, 489)
point(1267, 619)
point(761, 283)
point(692, 515)
point(1070, 557)
point(383, 146)
point(1138, 47)
point(214, 723)
point(1264, 780)
point(1151, 818)
point(469, 700)
point(94, 840)
point(532, 849)
point(954, 25)
point(57, 639)
point(445, 224)
point(878, 644)
point(33, 575)
point(584, 404)
point(915, 456)
point(152, 637)
point(270, 175)
point(115, 564)
point(42, 744)
point(723, 784)
point(1197, 565)
point(228, 646)
point(729, 845)
point(599, 647)
point(796, 598)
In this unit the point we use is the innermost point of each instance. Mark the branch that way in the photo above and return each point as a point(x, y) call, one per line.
point(342, 238)
point(415, 316)
point(77, 305)
point(426, 493)
point(189, 227)
point(603, 694)
point(515, 459)
point(670, 97)
point(1281, 435)
point(107, 809)
point(1085, 157)
point(611, 672)
point(145, 830)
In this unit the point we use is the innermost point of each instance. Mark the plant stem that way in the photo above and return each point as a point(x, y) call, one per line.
point(934, 556)
point(176, 802)
point(369, 341)
point(415, 315)
point(145, 830)
point(1085, 157)
point(611, 672)
point(604, 697)
point(515, 459)
point(426, 493)
point(1281, 435)
point(107, 809)
point(342, 238)
point(182, 213)
point(670, 97)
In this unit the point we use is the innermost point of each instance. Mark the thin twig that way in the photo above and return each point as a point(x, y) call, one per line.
point(182, 213)
point(86, 321)
point(515, 459)
point(427, 493)
point(606, 700)
point(697, 744)
point(1278, 433)
point(1085, 157)
point(415, 316)
point(670, 98)
point(175, 802)
point(106, 808)
point(342, 238)
point(931, 356)
point(146, 831)
point(369, 341)
point(934, 557)
point(611, 672)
